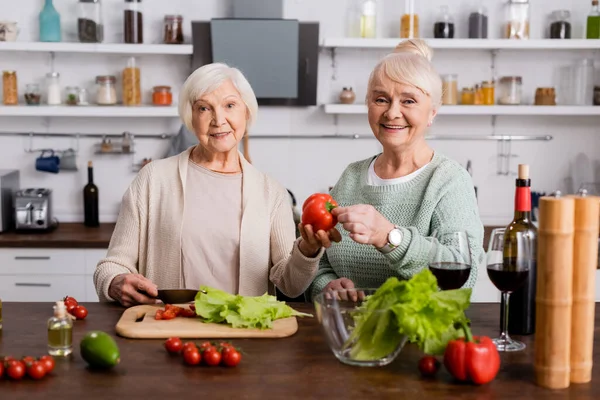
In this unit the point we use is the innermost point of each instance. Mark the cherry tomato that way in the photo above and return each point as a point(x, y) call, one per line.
point(225, 344)
point(193, 307)
point(185, 313)
point(48, 362)
point(36, 370)
point(79, 312)
point(192, 356)
point(231, 357)
point(429, 366)
point(16, 370)
point(211, 356)
point(188, 345)
point(169, 314)
point(27, 360)
point(173, 345)
point(206, 345)
point(159, 314)
point(70, 303)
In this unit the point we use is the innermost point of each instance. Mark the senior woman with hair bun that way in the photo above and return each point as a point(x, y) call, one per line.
point(391, 203)
point(207, 216)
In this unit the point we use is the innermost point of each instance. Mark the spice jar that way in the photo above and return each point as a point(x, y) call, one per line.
point(33, 95)
point(444, 25)
point(347, 96)
point(560, 26)
point(106, 93)
point(132, 94)
point(478, 95)
point(467, 96)
point(53, 88)
point(9, 88)
point(89, 21)
point(72, 95)
point(161, 96)
point(545, 96)
point(478, 24)
point(173, 27)
point(82, 97)
point(517, 19)
point(510, 90)
point(133, 22)
point(409, 26)
point(449, 89)
point(488, 93)
point(106, 146)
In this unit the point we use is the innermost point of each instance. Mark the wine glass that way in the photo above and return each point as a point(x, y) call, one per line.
point(508, 275)
point(450, 259)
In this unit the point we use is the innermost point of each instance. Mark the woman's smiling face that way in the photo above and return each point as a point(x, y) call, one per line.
point(399, 114)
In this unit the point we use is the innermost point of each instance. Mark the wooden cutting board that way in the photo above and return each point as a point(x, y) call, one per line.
point(138, 323)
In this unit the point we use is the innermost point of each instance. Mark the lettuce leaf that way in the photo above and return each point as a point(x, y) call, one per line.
point(241, 311)
point(412, 309)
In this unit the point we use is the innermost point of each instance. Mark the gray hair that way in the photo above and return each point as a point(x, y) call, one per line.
point(208, 78)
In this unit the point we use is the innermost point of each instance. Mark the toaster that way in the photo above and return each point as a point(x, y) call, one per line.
point(33, 209)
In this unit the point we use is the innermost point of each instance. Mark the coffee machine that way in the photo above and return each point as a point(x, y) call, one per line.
point(33, 210)
point(9, 184)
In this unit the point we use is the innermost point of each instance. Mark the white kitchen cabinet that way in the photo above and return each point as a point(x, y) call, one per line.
point(45, 288)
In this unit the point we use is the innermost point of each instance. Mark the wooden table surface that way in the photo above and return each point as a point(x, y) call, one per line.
point(298, 367)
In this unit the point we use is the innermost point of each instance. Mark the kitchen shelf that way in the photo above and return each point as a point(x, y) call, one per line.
point(480, 110)
point(102, 48)
point(88, 111)
point(468, 44)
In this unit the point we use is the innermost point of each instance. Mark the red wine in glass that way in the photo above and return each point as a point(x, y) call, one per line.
point(506, 280)
point(450, 275)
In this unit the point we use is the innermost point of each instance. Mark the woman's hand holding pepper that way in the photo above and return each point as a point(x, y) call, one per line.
point(365, 224)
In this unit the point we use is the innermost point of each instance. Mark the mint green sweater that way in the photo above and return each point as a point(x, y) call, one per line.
point(441, 197)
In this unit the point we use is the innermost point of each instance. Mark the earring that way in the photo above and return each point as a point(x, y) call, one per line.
point(430, 122)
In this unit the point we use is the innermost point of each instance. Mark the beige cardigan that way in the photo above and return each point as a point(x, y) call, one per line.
point(147, 235)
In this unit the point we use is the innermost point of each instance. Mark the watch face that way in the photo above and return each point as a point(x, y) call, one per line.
point(395, 237)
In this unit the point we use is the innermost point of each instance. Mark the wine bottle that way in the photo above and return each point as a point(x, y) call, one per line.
point(90, 200)
point(521, 307)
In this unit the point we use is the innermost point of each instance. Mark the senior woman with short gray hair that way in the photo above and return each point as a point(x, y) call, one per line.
point(207, 216)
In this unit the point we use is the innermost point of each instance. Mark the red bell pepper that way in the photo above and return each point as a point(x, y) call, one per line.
point(472, 358)
point(316, 211)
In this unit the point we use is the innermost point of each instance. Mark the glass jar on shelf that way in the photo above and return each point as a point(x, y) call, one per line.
point(72, 93)
point(368, 19)
point(106, 93)
point(517, 19)
point(488, 89)
point(444, 24)
point(449, 89)
point(510, 89)
point(33, 95)
point(89, 21)
point(133, 22)
point(560, 24)
point(467, 96)
point(53, 97)
point(478, 23)
point(173, 29)
point(10, 95)
point(162, 96)
point(409, 26)
point(82, 97)
point(132, 94)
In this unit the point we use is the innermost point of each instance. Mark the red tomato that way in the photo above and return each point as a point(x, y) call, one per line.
point(193, 307)
point(27, 360)
point(187, 313)
point(316, 211)
point(79, 312)
point(173, 345)
point(70, 303)
point(429, 366)
point(169, 314)
point(16, 370)
point(48, 362)
point(36, 370)
point(231, 357)
point(192, 356)
point(159, 314)
point(211, 356)
point(206, 345)
point(188, 345)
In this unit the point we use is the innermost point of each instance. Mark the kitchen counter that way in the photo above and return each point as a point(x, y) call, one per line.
point(76, 235)
point(301, 366)
point(66, 235)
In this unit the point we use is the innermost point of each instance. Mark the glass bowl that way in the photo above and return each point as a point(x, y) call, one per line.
point(338, 312)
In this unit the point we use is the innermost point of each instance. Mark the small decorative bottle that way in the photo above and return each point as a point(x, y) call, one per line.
point(49, 20)
point(60, 331)
point(347, 96)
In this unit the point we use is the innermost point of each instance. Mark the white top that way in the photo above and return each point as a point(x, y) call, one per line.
point(210, 255)
point(374, 180)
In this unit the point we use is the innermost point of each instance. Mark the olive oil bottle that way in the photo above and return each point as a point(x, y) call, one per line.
point(60, 331)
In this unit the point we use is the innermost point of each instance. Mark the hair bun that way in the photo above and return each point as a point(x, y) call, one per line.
point(415, 46)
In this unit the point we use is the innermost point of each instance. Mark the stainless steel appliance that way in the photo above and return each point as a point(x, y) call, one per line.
point(9, 184)
point(33, 209)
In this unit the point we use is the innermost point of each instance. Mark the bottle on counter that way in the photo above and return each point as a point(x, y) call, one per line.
point(60, 331)
point(49, 23)
point(444, 25)
point(521, 308)
point(90, 200)
point(592, 30)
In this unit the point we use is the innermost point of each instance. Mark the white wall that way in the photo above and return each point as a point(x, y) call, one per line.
point(304, 166)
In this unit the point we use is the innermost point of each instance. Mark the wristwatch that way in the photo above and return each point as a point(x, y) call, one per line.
point(394, 240)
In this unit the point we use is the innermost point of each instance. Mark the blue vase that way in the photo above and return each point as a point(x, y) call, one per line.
point(49, 23)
